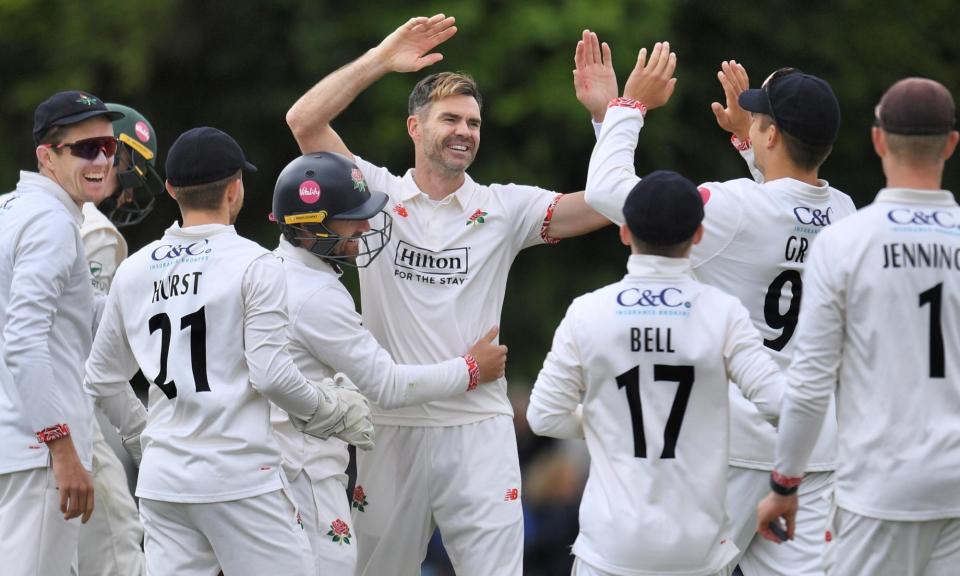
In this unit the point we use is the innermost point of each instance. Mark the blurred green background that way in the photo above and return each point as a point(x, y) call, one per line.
point(239, 65)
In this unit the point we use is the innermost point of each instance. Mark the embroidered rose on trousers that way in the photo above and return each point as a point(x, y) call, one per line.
point(359, 498)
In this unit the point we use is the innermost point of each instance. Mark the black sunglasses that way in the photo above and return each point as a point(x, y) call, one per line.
point(89, 148)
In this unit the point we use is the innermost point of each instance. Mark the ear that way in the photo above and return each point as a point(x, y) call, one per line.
point(169, 188)
point(625, 235)
point(951, 144)
point(879, 142)
point(44, 159)
point(773, 136)
point(413, 127)
point(233, 190)
point(698, 235)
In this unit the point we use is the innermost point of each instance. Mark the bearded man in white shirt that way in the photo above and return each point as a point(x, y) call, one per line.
point(448, 463)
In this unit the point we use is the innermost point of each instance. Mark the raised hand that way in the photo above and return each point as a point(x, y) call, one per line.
point(732, 118)
point(491, 357)
point(407, 48)
point(594, 80)
point(653, 82)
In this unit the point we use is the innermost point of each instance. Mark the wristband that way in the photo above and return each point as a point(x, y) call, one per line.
point(624, 102)
point(53, 433)
point(473, 368)
point(741, 145)
point(784, 485)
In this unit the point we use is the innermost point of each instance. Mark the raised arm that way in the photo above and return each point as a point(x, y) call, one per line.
point(611, 174)
point(732, 118)
point(406, 49)
point(595, 84)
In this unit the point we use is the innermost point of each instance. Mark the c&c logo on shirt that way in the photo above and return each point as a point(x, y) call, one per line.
point(812, 216)
point(669, 297)
point(938, 218)
point(171, 251)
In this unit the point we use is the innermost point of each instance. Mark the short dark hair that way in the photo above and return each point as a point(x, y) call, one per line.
point(53, 135)
point(678, 250)
point(802, 155)
point(440, 85)
point(207, 197)
point(917, 149)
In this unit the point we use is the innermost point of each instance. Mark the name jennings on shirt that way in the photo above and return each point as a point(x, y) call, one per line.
point(447, 267)
point(923, 254)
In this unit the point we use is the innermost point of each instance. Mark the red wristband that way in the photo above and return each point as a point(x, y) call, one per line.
point(741, 145)
point(623, 102)
point(53, 433)
point(473, 368)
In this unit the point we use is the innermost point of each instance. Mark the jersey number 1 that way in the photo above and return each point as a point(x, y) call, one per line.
point(197, 323)
point(934, 297)
point(683, 376)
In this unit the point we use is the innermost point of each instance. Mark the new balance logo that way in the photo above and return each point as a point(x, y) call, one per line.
point(512, 494)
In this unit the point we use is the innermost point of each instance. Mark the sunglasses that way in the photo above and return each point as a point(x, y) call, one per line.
point(776, 75)
point(89, 148)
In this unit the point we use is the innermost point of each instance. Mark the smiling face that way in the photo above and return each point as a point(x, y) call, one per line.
point(447, 133)
point(84, 180)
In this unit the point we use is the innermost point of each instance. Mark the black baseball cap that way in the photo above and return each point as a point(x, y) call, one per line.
point(916, 107)
point(204, 155)
point(663, 209)
point(70, 107)
point(802, 105)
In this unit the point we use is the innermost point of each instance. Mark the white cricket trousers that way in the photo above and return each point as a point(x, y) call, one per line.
point(326, 518)
point(247, 537)
point(864, 546)
point(463, 479)
point(110, 542)
point(35, 540)
point(802, 556)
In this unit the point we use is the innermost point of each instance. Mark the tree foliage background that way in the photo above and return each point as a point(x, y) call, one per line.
point(239, 65)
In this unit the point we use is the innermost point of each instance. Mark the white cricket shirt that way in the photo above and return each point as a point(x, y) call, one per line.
point(880, 325)
point(203, 312)
point(326, 337)
point(650, 358)
point(46, 316)
point(439, 284)
point(757, 237)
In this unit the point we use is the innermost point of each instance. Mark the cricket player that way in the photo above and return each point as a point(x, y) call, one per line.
point(879, 329)
point(110, 544)
point(202, 312)
point(757, 236)
point(345, 225)
point(649, 358)
point(46, 317)
point(450, 463)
